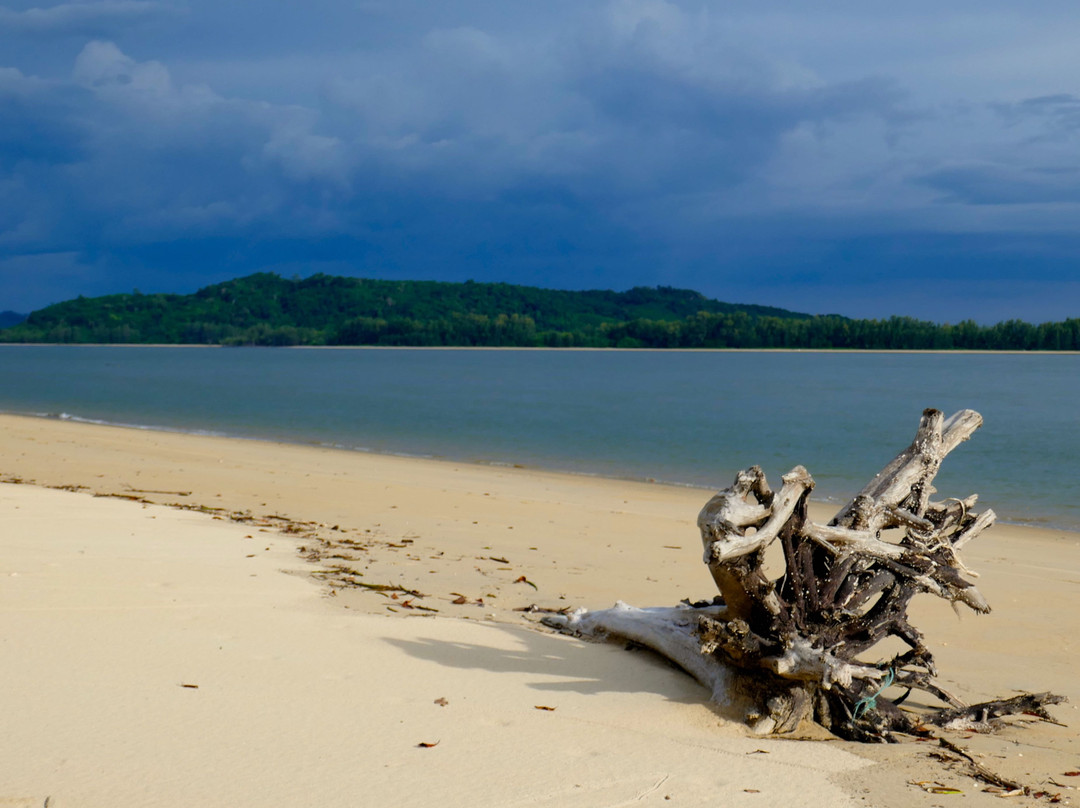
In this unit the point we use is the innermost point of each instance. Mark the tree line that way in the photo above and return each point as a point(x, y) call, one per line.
point(265, 309)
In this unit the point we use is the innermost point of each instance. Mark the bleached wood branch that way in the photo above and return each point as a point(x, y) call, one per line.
point(790, 648)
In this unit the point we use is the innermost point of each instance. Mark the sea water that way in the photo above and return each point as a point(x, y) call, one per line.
point(687, 417)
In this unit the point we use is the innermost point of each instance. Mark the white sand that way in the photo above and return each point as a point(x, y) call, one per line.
point(109, 607)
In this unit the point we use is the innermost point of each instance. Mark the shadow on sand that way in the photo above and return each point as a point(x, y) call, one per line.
point(562, 664)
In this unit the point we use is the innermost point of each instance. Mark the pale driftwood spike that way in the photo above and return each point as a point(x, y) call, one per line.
point(841, 541)
point(960, 426)
point(981, 523)
point(913, 469)
point(670, 631)
point(725, 541)
point(794, 648)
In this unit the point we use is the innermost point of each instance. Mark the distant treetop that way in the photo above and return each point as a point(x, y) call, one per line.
point(266, 309)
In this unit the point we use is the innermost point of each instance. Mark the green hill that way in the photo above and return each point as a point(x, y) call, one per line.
point(265, 309)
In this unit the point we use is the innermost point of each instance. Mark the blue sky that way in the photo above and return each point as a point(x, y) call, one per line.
point(861, 158)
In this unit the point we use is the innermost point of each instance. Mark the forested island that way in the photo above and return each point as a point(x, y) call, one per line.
point(266, 309)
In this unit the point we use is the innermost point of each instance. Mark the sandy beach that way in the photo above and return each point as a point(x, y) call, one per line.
point(209, 621)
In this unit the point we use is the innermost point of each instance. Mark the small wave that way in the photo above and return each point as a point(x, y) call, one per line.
point(67, 416)
point(411, 454)
point(80, 419)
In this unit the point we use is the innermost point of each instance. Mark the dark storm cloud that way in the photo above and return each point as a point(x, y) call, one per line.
point(38, 125)
point(1004, 185)
point(1057, 117)
point(564, 144)
point(465, 116)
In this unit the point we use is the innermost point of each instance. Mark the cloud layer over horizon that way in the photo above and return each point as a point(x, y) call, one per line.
point(868, 160)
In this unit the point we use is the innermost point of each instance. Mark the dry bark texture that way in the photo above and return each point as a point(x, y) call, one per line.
point(797, 647)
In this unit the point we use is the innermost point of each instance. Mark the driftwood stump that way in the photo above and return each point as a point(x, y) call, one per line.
point(798, 647)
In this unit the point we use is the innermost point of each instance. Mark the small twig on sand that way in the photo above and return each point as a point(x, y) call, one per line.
point(979, 771)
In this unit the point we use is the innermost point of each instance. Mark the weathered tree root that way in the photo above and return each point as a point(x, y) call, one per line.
point(795, 648)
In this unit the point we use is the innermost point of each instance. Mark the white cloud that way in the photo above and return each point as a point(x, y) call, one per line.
point(305, 156)
point(102, 65)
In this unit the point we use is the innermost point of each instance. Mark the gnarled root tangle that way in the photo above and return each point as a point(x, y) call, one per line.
point(794, 648)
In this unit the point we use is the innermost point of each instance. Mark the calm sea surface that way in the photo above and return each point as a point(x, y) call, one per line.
point(682, 417)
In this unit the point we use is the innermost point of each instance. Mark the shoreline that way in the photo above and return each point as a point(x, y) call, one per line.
point(941, 351)
point(822, 502)
point(241, 478)
point(464, 548)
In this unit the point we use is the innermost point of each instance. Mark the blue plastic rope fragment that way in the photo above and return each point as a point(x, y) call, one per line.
point(864, 705)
